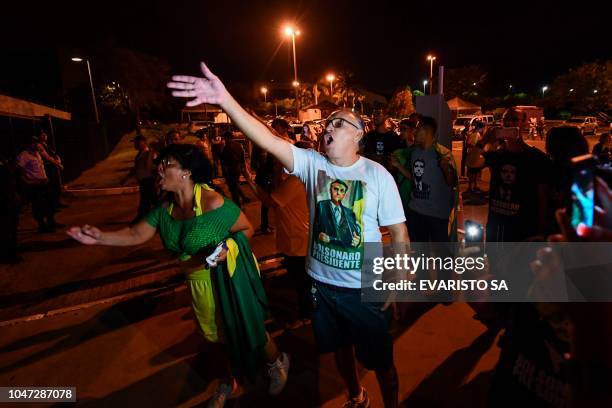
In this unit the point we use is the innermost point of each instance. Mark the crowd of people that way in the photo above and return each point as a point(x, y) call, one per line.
point(332, 192)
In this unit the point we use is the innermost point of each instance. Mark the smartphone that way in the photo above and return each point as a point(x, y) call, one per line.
point(474, 235)
point(582, 191)
point(505, 133)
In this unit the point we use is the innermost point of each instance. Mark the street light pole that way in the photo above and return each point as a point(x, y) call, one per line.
point(431, 59)
point(291, 31)
point(330, 78)
point(93, 93)
point(424, 84)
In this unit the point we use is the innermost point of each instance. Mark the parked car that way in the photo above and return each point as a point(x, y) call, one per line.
point(193, 127)
point(586, 124)
point(462, 121)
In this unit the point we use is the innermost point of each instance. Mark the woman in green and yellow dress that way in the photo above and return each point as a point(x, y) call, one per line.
point(228, 299)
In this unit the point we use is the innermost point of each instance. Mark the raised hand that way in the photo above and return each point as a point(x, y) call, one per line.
point(86, 234)
point(208, 89)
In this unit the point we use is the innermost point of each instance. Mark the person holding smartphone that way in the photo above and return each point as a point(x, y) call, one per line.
point(210, 235)
point(518, 190)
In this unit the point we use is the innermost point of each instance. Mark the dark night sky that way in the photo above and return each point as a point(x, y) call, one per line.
point(383, 44)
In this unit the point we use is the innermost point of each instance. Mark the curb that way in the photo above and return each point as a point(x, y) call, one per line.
point(74, 308)
point(98, 192)
point(108, 191)
point(178, 287)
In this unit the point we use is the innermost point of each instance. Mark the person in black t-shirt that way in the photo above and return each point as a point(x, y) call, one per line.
point(381, 142)
point(518, 191)
point(603, 149)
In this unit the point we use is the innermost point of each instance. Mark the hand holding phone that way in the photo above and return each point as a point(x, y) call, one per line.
point(582, 192)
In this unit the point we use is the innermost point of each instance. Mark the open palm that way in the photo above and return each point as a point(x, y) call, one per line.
point(85, 235)
point(208, 89)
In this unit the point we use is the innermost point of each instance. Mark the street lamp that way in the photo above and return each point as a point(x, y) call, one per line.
point(424, 84)
point(431, 59)
point(544, 89)
point(330, 78)
point(295, 84)
point(264, 91)
point(510, 87)
point(572, 90)
point(93, 94)
point(595, 91)
point(474, 83)
point(292, 31)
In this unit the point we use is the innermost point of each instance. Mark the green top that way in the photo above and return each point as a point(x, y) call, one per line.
point(188, 237)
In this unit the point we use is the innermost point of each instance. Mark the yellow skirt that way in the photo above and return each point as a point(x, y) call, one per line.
point(204, 304)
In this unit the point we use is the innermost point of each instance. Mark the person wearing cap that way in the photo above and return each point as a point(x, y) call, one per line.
point(144, 172)
point(353, 330)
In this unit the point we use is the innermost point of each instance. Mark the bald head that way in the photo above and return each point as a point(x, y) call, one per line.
point(343, 132)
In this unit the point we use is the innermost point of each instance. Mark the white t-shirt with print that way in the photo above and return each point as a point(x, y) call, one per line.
point(347, 206)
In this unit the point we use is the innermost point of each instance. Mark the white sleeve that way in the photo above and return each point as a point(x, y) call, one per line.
point(303, 159)
point(390, 209)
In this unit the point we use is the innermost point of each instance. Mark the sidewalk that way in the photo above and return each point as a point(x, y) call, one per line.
point(121, 348)
point(58, 274)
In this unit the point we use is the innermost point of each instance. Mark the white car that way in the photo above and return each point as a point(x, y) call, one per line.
point(586, 124)
point(460, 123)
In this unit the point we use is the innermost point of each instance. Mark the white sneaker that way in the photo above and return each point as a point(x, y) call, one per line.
point(223, 392)
point(278, 372)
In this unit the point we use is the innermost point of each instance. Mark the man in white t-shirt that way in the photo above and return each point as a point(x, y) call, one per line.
point(341, 322)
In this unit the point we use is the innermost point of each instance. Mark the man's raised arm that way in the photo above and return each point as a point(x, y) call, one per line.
point(210, 89)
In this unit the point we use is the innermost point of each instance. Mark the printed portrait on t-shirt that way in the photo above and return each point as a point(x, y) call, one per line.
point(421, 189)
point(506, 200)
point(337, 238)
point(380, 147)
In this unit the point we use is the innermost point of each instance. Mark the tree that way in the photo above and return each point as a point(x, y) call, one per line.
point(585, 89)
point(460, 82)
point(132, 80)
point(400, 105)
point(344, 89)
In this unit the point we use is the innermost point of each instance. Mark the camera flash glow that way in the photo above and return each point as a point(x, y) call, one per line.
point(472, 231)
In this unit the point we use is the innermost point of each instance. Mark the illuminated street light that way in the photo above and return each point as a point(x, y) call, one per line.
point(264, 91)
point(330, 78)
point(295, 84)
point(572, 90)
point(291, 31)
point(595, 91)
point(424, 84)
point(474, 83)
point(431, 59)
point(544, 89)
point(93, 94)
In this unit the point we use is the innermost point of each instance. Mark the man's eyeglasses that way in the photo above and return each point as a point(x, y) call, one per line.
point(337, 123)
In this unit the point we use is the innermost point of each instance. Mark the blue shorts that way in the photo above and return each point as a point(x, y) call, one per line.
point(340, 319)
